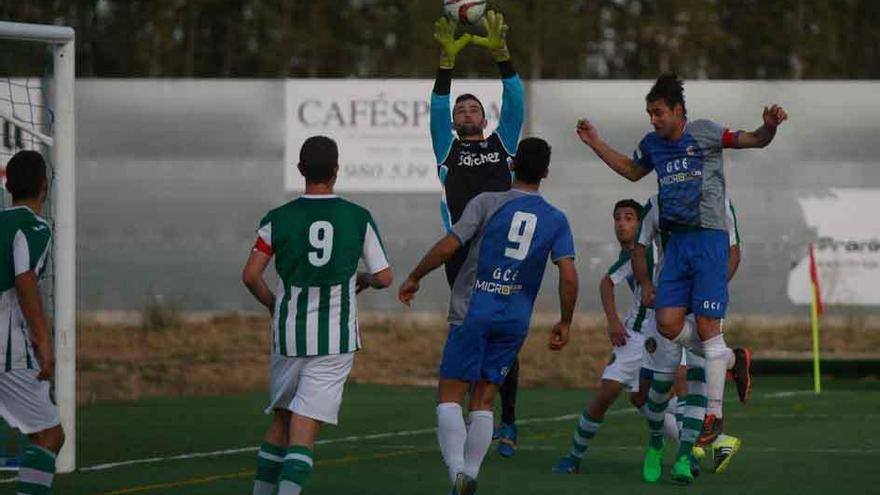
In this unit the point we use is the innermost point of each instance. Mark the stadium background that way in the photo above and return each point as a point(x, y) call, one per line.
point(172, 183)
point(181, 137)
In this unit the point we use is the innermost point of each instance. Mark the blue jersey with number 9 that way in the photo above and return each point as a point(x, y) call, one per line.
point(513, 233)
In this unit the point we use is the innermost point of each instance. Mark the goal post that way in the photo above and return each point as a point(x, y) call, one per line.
point(61, 143)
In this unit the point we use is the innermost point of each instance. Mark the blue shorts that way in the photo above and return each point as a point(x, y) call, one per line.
point(482, 351)
point(694, 273)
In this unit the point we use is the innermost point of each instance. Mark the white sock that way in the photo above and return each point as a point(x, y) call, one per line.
point(451, 435)
point(689, 339)
point(479, 437)
point(718, 356)
point(670, 423)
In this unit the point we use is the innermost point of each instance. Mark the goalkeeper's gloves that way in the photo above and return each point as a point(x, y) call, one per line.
point(496, 36)
point(444, 33)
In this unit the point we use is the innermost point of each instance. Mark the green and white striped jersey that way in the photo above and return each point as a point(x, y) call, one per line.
point(24, 246)
point(317, 242)
point(651, 235)
point(622, 271)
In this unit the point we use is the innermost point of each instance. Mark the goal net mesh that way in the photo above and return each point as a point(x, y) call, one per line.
point(26, 123)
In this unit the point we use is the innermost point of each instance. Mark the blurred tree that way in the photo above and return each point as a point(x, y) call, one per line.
point(552, 39)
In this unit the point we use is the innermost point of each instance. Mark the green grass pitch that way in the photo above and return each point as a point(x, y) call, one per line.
point(796, 444)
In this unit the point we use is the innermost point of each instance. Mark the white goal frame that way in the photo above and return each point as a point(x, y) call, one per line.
point(63, 149)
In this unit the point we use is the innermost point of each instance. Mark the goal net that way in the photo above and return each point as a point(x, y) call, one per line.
point(36, 113)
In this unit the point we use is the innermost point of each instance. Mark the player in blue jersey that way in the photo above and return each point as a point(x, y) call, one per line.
point(686, 156)
point(512, 234)
point(469, 162)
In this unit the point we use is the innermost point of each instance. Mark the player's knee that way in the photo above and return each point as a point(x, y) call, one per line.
point(669, 324)
point(637, 399)
point(50, 439)
point(606, 397)
point(58, 439)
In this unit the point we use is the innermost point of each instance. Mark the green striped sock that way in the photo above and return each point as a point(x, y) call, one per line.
point(297, 467)
point(270, 460)
point(694, 411)
point(658, 400)
point(587, 428)
point(36, 472)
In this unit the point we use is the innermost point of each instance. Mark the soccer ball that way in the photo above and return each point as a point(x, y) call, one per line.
point(465, 11)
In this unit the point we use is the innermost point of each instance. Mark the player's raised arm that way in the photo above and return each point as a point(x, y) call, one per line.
point(620, 163)
point(513, 95)
point(773, 117)
point(441, 120)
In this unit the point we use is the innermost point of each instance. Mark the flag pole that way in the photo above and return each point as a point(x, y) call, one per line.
point(817, 377)
point(815, 310)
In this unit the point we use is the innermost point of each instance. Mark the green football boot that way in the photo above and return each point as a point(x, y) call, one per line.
point(653, 466)
point(681, 471)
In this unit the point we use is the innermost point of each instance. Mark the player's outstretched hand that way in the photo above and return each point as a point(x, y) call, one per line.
point(496, 36)
point(46, 358)
point(559, 335)
point(587, 132)
point(444, 34)
point(407, 291)
point(774, 115)
point(617, 334)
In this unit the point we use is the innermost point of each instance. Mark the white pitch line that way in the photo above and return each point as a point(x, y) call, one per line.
point(790, 393)
point(361, 438)
point(348, 439)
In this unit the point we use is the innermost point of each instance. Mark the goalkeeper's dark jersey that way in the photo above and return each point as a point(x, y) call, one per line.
point(468, 168)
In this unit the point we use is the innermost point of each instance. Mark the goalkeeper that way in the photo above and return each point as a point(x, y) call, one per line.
point(469, 162)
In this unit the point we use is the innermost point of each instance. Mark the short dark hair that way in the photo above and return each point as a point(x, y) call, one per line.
point(669, 88)
point(25, 174)
point(318, 159)
point(532, 160)
point(629, 203)
point(470, 96)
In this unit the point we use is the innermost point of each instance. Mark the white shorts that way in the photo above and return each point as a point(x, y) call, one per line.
point(661, 354)
point(25, 403)
point(626, 361)
point(310, 386)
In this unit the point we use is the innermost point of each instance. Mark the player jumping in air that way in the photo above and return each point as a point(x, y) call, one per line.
point(511, 235)
point(690, 174)
point(626, 338)
point(469, 163)
point(317, 241)
point(682, 420)
point(26, 353)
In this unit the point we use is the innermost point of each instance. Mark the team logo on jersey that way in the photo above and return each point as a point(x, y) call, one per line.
point(497, 287)
point(651, 345)
point(471, 159)
point(692, 150)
